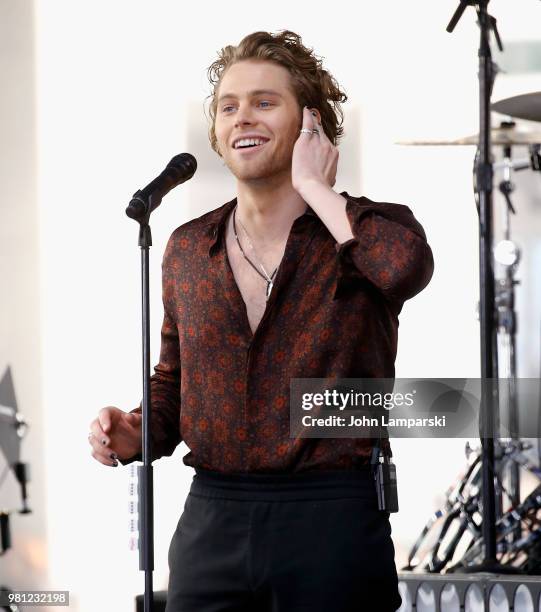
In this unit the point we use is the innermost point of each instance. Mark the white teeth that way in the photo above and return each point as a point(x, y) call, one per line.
point(249, 141)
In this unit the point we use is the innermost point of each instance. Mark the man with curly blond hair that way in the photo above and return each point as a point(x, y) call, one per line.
point(289, 279)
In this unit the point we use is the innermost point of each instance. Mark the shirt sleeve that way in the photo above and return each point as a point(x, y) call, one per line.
point(388, 248)
point(165, 382)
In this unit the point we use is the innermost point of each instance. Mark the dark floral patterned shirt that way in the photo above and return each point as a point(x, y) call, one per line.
point(333, 312)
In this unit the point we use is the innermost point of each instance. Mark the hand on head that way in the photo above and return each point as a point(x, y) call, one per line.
point(315, 158)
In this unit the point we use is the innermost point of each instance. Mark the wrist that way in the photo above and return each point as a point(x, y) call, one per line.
point(312, 189)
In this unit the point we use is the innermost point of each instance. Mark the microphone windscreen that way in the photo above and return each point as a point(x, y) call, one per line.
point(185, 162)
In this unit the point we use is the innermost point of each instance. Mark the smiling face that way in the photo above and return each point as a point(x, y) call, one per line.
point(255, 99)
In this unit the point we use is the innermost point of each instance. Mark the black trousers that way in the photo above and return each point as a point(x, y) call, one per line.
point(311, 542)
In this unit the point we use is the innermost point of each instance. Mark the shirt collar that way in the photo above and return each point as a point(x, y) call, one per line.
point(215, 220)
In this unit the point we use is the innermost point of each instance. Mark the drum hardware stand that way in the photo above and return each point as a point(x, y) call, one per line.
point(507, 254)
point(483, 188)
point(462, 500)
point(461, 511)
point(518, 528)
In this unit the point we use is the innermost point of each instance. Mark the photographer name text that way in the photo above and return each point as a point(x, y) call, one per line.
point(364, 421)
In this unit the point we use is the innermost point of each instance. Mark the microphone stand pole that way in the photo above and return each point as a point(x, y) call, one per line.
point(180, 169)
point(483, 190)
point(141, 214)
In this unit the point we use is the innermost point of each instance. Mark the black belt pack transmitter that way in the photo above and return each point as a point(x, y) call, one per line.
point(384, 471)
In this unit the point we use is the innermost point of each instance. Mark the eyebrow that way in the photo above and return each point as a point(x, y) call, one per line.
point(255, 92)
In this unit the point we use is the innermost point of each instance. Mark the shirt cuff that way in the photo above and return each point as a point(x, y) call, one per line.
point(388, 249)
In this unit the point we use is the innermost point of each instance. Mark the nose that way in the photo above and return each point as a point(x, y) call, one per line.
point(244, 115)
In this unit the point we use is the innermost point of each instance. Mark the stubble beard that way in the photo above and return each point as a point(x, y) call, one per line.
point(268, 167)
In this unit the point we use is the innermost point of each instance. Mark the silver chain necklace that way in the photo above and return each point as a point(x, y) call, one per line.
point(265, 275)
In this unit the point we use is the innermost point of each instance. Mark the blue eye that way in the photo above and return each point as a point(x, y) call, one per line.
point(225, 109)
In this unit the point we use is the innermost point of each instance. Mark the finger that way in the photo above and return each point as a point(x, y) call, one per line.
point(100, 452)
point(106, 458)
point(318, 126)
point(325, 139)
point(307, 122)
point(103, 455)
point(105, 418)
point(97, 434)
point(315, 122)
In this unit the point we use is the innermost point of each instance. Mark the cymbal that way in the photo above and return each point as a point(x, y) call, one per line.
point(500, 136)
point(526, 106)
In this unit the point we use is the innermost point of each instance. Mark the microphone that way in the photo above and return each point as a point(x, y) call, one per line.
point(180, 169)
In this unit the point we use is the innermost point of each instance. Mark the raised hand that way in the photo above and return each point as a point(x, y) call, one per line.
point(315, 158)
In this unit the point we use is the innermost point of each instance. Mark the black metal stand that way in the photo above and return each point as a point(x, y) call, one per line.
point(144, 472)
point(483, 189)
point(507, 327)
point(180, 169)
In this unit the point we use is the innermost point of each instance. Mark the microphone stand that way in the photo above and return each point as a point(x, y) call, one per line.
point(483, 189)
point(180, 169)
point(140, 211)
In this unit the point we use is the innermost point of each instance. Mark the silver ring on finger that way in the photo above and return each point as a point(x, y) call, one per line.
point(315, 131)
point(306, 131)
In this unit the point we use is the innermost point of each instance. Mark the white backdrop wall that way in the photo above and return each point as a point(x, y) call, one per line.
point(120, 90)
point(19, 289)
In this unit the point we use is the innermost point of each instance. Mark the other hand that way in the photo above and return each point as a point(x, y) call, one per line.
point(114, 435)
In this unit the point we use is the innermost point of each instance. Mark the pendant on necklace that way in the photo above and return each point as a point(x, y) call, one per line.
point(270, 284)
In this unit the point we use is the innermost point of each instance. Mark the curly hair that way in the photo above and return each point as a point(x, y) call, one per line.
point(310, 83)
